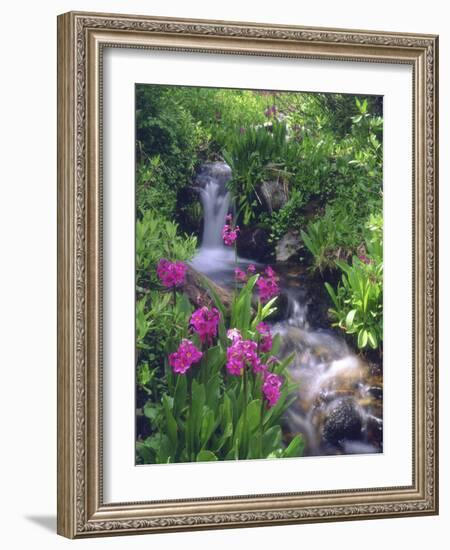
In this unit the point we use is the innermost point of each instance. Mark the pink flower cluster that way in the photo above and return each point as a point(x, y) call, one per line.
point(230, 232)
point(205, 322)
point(268, 285)
point(271, 111)
point(186, 354)
point(265, 345)
point(365, 259)
point(242, 353)
point(272, 388)
point(171, 274)
point(242, 276)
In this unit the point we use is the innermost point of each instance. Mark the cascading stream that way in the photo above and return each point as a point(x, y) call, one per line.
point(339, 403)
point(214, 259)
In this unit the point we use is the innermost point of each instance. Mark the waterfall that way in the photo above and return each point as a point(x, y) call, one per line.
point(211, 182)
point(214, 259)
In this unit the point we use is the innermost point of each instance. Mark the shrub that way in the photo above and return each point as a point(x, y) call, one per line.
point(167, 142)
point(158, 238)
point(251, 152)
point(358, 300)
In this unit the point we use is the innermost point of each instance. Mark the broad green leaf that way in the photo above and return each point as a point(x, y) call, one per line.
point(362, 338)
point(350, 317)
point(206, 456)
point(172, 429)
point(253, 415)
point(295, 448)
point(179, 399)
point(271, 440)
point(207, 426)
point(372, 339)
point(144, 452)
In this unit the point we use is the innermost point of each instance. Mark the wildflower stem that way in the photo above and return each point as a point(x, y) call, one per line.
point(235, 266)
point(174, 291)
point(261, 414)
point(244, 427)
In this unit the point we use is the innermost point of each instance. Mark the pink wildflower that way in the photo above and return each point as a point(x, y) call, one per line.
point(240, 275)
point(171, 274)
point(251, 268)
point(272, 388)
point(230, 232)
point(182, 359)
point(265, 344)
point(365, 259)
point(241, 353)
point(268, 288)
point(271, 111)
point(260, 367)
point(205, 322)
point(234, 335)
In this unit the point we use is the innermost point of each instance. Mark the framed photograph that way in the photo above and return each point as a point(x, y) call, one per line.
point(247, 274)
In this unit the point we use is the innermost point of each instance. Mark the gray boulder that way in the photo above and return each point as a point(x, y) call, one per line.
point(287, 246)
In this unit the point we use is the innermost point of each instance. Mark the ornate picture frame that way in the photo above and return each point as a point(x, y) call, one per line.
point(82, 38)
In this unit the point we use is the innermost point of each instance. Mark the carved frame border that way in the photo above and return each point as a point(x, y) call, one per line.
point(81, 37)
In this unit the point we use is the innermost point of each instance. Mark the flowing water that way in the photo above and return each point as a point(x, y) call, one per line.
point(338, 406)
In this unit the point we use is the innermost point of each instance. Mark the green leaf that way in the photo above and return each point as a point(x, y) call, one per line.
point(253, 415)
point(276, 344)
point(144, 452)
point(151, 410)
point(207, 426)
point(144, 374)
point(332, 294)
point(362, 338)
point(206, 456)
point(271, 440)
point(172, 429)
point(295, 448)
point(195, 414)
point(179, 399)
point(350, 317)
point(372, 339)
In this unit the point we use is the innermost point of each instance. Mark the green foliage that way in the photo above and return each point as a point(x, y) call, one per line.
point(160, 319)
point(158, 238)
point(251, 152)
point(333, 236)
point(358, 300)
point(290, 216)
point(207, 414)
point(167, 140)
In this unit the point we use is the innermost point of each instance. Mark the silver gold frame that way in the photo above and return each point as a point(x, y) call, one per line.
point(81, 39)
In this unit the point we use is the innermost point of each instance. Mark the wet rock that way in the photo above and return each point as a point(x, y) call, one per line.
point(274, 194)
point(197, 292)
point(343, 422)
point(253, 243)
point(288, 246)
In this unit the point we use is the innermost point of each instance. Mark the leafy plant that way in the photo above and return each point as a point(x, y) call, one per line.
point(158, 238)
point(207, 413)
point(167, 142)
point(250, 152)
point(358, 300)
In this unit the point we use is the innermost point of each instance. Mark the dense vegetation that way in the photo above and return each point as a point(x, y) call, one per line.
point(308, 165)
